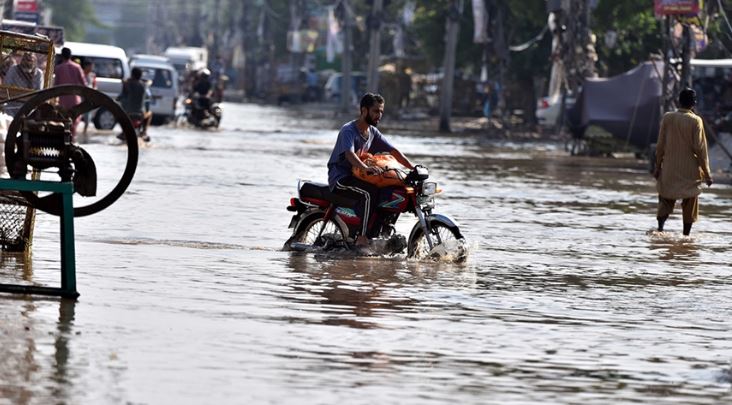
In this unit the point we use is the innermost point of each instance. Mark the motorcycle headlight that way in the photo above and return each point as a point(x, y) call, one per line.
point(429, 188)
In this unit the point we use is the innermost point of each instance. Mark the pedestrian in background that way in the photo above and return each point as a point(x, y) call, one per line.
point(682, 162)
point(69, 72)
point(91, 81)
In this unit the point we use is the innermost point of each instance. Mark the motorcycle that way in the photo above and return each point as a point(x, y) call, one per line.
point(137, 121)
point(199, 116)
point(326, 220)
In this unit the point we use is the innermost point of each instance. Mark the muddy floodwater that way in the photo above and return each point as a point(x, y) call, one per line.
point(187, 298)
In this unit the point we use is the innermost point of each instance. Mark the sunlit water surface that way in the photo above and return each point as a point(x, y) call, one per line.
point(186, 297)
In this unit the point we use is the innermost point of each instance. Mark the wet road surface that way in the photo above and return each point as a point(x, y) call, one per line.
point(186, 297)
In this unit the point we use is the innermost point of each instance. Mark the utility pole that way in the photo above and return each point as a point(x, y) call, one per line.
point(216, 29)
point(346, 61)
point(246, 45)
point(374, 23)
point(687, 38)
point(666, 98)
point(453, 28)
point(296, 54)
point(500, 46)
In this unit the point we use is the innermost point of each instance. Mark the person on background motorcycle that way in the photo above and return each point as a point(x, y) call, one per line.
point(202, 88)
point(217, 78)
point(354, 139)
point(135, 98)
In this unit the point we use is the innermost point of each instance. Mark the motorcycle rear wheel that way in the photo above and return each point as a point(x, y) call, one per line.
point(449, 239)
point(308, 234)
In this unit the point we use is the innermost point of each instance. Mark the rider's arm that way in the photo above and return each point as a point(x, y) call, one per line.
point(402, 159)
point(355, 161)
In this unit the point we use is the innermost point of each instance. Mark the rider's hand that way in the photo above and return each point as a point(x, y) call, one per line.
point(373, 170)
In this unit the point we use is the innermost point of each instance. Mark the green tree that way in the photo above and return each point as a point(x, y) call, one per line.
point(638, 34)
point(73, 15)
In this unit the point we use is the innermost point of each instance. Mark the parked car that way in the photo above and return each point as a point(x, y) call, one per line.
point(332, 88)
point(163, 80)
point(111, 68)
point(549, 108)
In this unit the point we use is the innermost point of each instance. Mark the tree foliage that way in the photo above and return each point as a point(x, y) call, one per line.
point(73, 15)
point(638, 32)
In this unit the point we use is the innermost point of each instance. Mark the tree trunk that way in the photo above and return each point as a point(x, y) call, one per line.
point(374, 47)
point(453, 28)
point(687, 37)
point(346, 62)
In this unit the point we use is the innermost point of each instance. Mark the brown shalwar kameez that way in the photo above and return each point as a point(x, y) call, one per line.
point(681, 158)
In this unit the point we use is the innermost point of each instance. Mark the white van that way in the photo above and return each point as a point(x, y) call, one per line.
point(163, 81)
point(187, 59)
point(111, 68)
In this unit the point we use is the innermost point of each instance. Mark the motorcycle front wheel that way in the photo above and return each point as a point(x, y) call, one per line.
point(447, 241)
point(308, 233)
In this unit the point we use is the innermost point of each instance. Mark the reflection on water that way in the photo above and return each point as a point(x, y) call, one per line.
point(35, 353)
point(567, 297)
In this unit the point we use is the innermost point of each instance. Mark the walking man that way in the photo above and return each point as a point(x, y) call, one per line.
point(69, 72)
point(682, 163)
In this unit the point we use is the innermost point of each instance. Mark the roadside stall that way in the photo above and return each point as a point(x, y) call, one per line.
point(19, 78)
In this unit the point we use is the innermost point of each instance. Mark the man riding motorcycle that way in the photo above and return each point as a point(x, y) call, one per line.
point(355, 139)
point(202, 88)
point(135, 100)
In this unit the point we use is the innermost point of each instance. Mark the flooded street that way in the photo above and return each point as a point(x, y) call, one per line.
point(186, 297)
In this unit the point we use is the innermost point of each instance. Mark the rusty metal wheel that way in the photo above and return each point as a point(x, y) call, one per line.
point(91, 99)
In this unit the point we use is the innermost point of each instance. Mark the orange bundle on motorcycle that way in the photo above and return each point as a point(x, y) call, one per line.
point(388, 178)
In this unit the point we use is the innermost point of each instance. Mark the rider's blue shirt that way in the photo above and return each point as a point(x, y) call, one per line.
point(349, 139)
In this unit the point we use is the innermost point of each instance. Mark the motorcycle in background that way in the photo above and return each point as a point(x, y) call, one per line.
point(202, 112)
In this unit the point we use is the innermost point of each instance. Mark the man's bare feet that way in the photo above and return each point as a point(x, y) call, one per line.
point(362, 241)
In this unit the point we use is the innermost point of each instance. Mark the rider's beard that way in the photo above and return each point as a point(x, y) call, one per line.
point(371, 121)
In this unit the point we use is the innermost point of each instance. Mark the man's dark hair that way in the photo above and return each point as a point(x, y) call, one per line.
point(369, 99)
point(86, 62)
point(687, 98)
point(66, 53)
point(137, 73)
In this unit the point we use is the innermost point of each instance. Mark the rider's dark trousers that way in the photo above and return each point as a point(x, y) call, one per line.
point(365, 193)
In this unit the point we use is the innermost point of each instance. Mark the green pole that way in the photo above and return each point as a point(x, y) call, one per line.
point(68, 254)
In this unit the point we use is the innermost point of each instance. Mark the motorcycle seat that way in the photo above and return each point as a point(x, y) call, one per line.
point(322, 192)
